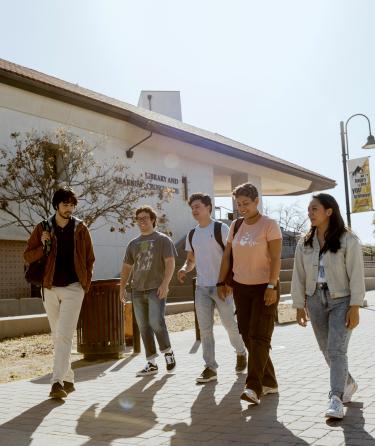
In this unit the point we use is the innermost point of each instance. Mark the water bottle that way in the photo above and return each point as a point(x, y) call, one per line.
point(47, 244)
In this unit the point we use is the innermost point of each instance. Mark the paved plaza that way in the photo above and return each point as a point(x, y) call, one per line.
point(113, 407)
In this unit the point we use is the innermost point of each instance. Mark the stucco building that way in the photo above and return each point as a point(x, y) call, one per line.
point(171, 153)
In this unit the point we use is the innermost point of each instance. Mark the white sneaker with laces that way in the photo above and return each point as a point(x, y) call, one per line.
point(268, 390)
point(149, 369)
point(349, 391)
point(335, 408)
point(250, 396)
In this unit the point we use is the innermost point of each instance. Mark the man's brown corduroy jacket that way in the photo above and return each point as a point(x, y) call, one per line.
point(83, 253)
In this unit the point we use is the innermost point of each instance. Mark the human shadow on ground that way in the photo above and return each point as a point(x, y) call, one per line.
point(27, 422)
point(129, 414)
point(85, 370)
point(232, 420)
point(353, 426)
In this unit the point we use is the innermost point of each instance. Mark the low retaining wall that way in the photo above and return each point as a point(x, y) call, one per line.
point(11, 327)
point(14, 326)
point(21, 307)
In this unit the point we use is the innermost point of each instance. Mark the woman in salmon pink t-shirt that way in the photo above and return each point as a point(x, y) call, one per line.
point(255, 242)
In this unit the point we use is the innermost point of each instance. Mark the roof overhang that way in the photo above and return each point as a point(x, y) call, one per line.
point(48, 86)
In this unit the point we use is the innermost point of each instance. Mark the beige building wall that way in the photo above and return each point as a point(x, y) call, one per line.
point(21, 111)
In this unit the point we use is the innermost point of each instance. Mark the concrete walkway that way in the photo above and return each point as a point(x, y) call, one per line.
point(113, 407)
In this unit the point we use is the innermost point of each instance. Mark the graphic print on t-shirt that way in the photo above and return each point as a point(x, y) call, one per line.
point(247, 239)
point(143, 260)
point(321, 270)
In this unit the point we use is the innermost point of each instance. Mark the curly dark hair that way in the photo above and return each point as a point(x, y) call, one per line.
point(149, 211)
point(204, 198)
point(64, 195)
point(336, 227)
point(246, 190)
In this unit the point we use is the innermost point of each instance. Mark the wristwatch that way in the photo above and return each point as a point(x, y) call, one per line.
point(220, 284)
point(271, 286)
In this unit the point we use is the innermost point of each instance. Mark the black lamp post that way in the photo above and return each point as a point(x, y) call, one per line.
point(370, 144)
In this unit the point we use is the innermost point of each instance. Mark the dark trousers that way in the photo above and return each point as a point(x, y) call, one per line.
point(256, 323)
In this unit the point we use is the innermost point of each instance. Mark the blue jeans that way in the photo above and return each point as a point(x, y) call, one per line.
point(327, 317)
point(206, 299)
point(149, 312)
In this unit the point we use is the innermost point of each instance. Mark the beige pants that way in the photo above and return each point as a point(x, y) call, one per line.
point(63, 305)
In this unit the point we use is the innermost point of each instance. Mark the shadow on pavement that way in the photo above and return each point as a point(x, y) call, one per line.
point(86, 370)
point(255, 425)
point(27, 422)
point(353, 426)
point(129, 414)
point(195, 347)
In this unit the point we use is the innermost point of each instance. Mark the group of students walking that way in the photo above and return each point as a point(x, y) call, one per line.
point(237, 273)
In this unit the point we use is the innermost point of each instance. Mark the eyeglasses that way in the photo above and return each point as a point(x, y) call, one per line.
point(140, 219)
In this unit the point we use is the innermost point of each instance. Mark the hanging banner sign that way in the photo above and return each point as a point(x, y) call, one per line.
point(360, 185)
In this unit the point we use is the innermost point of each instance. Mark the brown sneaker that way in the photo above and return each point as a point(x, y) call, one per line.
point(241, 363)
point(69, 387)
point(57, 391)
point(206, 376)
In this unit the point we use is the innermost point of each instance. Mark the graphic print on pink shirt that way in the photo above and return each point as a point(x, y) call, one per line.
point(251, 259)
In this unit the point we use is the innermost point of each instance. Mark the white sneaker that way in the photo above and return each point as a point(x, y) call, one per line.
point(349, 391)
point(250, 396)
point(335, 408)
point(149, 369)
point(268, 390)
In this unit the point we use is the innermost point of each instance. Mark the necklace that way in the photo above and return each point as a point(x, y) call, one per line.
point(250, 220)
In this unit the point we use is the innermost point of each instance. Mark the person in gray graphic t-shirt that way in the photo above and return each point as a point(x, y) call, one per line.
point(150, 257)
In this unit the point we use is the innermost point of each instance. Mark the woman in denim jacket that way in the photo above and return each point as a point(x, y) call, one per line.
point(328, 282)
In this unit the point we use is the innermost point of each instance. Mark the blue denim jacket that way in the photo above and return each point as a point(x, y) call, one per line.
point(344, 271)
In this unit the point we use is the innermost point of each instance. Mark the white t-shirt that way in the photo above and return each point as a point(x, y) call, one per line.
point(207, 252)
point(321, 271)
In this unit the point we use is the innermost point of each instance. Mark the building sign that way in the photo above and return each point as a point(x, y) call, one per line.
point(360, 185)
point(156, 182)
point(166, 182)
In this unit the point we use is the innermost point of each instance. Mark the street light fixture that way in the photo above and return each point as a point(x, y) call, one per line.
point(370, 144)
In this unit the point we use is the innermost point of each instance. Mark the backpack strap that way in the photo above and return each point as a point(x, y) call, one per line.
point(237, 225)
point(191, 234)
point(217, 234)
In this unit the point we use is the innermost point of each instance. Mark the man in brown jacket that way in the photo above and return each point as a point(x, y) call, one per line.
point(67, 277)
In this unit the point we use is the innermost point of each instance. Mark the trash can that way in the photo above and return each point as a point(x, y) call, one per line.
point(100, 329)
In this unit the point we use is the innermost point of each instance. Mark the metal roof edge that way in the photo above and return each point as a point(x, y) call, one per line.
point(149, 120)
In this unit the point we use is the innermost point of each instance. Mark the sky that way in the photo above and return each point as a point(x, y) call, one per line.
point(276, 75)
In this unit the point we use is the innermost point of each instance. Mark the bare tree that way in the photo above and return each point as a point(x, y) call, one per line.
point(290, 217)
point(38, 164)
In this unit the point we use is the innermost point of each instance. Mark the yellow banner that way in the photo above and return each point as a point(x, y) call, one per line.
point(360, 184)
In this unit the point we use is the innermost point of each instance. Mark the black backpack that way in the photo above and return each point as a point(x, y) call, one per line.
point(34, 272)
point(217, 233)
point(218, 238)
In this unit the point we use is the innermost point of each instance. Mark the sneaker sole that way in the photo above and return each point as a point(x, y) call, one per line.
point(202, 380)
point(244, 397)
point(147, 373)
point(334, 417)
point(270, 391)
point(171, 370)
point(58, 395)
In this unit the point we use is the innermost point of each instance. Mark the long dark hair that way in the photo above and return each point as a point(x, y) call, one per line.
point(336, 227)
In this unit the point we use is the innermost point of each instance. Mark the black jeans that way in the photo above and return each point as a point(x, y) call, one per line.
point(256, 322)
